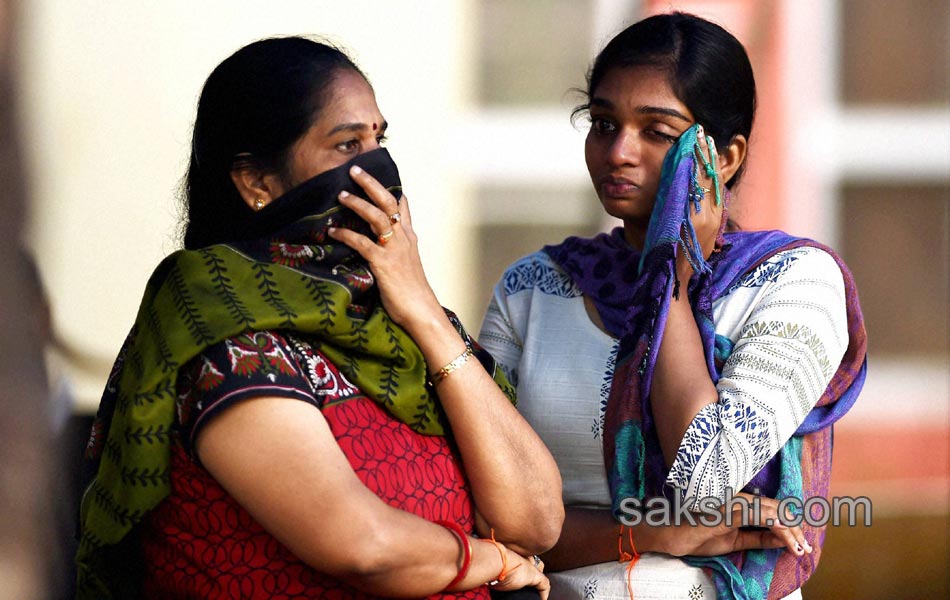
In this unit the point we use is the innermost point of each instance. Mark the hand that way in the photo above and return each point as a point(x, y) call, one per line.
point(393, 257)
point(524, 572)
point(722, 539)
point(707, 222)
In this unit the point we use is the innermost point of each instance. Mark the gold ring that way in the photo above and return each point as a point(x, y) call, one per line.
point(383, 238)
point(395, 218)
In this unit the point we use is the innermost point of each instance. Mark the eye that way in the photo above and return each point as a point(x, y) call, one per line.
point(382, 139)
point(349, 146)
point(601, 125)
point(664, 137)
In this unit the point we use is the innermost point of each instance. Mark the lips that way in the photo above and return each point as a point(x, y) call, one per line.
point(614, 186)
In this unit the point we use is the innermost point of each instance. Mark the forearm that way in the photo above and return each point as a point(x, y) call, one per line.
point(410, 557)
point(590, 536)
point(593, 536)
point(681, 383)
point(515, 481)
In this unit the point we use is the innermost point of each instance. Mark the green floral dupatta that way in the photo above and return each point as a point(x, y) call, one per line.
point(286, 274)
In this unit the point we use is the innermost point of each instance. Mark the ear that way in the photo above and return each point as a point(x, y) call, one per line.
point(257, 187)
point(732, 157)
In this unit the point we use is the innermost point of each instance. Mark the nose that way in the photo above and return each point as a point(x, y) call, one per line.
point(369, 145)
point(624, 149)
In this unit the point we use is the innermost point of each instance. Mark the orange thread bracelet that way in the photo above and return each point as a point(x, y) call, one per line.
point(466, 551)
point(622, 555)
point(625, 556)
point(504, 560)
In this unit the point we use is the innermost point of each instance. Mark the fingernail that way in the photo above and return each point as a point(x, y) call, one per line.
point(798, 548)
point(355, 170)
point(331, 230)
point(343, 194)
point(808, 546)
point(700, 132)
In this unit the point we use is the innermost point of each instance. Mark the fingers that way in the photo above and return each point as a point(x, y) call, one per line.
point(764, 512)
point(356, 241)
point(526, 572)
point(708, 157)
point(790, 538)
point(702, 150)
point(405, 213)
point(795, 541)
point(757, 511)
point(387, 218)
point(377, 219)
point(384, 211)
point(544, 588)
point(377, 193)
point(749, 539)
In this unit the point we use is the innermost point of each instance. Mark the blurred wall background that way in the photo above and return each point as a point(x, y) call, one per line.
point(851, 146)
point(27, 568)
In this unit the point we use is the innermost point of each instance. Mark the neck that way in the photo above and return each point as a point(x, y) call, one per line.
point(635, 232)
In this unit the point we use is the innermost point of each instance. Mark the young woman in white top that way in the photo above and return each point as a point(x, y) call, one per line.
point(711, 366)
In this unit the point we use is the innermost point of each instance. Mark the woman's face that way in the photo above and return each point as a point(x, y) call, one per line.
point(349, 124)
point(635, 119)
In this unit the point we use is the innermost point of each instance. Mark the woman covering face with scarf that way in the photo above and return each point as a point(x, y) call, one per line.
point(293, 413)
point(676, 359)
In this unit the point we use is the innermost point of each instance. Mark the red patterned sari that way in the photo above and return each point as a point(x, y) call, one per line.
point(200, 543)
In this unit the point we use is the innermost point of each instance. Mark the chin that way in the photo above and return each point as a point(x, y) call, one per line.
point(626, 209)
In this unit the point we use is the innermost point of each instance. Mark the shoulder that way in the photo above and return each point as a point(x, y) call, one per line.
point(247, 351)
point(253, 356)
point(256, 364)
point(803, 285)
point(537, 272)
point(804, 264)
point(531, 290)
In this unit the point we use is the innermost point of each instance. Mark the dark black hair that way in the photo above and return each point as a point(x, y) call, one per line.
point(708, 69)
point(252, 108)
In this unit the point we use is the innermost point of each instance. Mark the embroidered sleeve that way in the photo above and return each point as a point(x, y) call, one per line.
point(499, 338)
point(784, 356)
point(249, 365)
point(498, 334)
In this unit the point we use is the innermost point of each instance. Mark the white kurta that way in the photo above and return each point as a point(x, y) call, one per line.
point(787, 321)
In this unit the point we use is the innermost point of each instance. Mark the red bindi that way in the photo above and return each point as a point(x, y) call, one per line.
point(374, 126)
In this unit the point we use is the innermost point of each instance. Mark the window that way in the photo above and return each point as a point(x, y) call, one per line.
point(897, 246)
point(895, 52)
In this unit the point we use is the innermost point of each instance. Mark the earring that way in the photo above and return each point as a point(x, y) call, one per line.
point(259, 204)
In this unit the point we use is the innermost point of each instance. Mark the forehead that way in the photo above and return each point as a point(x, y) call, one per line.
point(351, 99)
point(635, 87)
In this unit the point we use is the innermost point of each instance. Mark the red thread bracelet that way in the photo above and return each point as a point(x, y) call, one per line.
point(456, 529)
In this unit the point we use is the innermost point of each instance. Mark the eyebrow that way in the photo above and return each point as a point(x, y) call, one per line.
point(354, 127)
point(644, 110)
point(659, 110)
